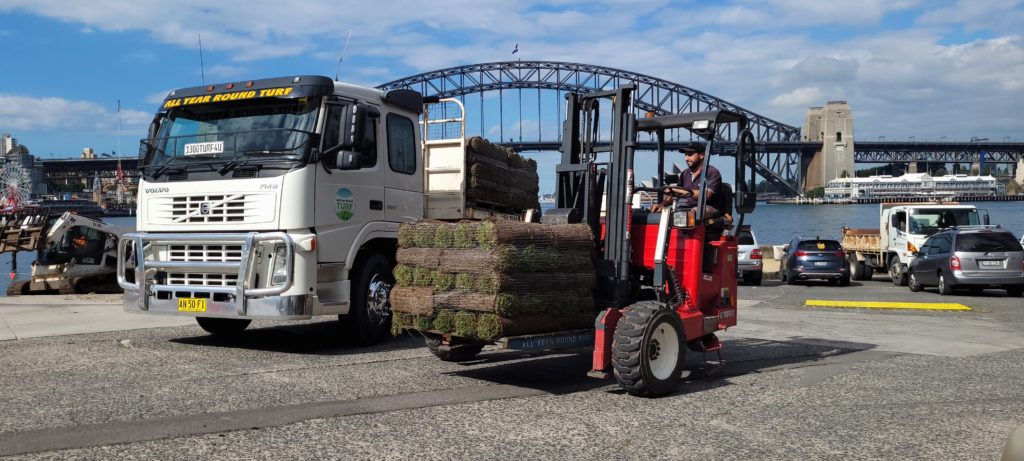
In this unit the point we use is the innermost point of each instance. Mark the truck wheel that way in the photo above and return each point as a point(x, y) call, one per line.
point(647, 350)
point(369, 319)
point(944, 288)
point(222, 327)
point(896, 273)
point(454, 353)
point(857, 269)
point(912, 282)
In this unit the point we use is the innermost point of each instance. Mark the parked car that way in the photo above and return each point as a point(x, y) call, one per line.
point(751, 264)
point(814, 259)
point(975, 257)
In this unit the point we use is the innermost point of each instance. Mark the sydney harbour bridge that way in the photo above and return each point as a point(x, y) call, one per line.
point(526, 98)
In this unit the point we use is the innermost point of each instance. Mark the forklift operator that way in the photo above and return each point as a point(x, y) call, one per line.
point(688, 187)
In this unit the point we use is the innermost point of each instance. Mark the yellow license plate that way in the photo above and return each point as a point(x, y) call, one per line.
point(191, 304)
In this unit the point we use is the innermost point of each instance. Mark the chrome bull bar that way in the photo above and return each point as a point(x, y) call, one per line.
point(242, 268)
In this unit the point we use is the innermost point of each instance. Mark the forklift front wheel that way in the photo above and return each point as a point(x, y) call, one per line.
point(647, 350)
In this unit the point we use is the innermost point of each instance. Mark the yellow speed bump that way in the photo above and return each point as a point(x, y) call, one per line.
point(885, 305)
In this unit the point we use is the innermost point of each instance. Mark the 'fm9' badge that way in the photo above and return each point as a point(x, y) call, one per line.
point(344, 204)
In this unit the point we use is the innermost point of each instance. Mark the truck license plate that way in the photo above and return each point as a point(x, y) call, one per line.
point(191, 304)
point(992, 263)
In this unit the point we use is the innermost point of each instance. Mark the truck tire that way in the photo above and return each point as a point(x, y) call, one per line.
point(222, 327)
point(858, 270)
point(648, 349)
point(369, 319)
point(896, 273)
point(453, 353)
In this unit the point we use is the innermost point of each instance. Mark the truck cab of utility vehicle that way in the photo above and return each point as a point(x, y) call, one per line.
point(274, 199)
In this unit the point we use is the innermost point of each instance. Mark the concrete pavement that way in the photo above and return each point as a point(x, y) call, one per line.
point(54, 315)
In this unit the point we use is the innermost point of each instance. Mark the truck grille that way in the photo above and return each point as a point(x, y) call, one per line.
point(205, 253)
point(214, 209)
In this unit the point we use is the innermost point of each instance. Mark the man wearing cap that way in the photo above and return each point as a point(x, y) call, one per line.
point(688, 187)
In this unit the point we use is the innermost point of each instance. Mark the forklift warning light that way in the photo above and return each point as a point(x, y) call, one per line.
point(701, 124)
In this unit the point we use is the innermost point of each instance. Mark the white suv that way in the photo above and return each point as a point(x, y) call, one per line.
point(751, 265)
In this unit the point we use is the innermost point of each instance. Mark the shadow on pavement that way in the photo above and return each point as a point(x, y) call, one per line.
point(322, 338)
point(564, 372)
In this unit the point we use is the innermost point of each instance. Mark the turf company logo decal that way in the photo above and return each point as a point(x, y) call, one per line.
point(344, 204)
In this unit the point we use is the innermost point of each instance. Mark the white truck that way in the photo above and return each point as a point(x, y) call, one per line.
point(903, 227)
point(281, 198)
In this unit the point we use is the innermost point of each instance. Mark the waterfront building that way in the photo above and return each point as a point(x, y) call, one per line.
point(910, 185)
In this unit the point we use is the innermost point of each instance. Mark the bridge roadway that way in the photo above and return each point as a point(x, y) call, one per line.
point(87, 381)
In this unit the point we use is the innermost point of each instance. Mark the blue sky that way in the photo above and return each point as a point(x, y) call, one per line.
point(908, 68)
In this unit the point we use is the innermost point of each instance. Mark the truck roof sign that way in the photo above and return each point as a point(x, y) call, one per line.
point(283, 87)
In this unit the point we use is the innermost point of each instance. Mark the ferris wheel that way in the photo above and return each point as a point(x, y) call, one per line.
point(15, 186)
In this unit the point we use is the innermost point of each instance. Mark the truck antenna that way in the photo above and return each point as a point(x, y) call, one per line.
point(342, 57)
point(202, 68)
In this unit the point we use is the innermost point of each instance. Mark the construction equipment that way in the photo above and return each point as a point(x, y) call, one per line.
point(75, 254)
point(666, 281)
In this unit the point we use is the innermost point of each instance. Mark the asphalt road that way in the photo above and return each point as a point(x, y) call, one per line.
point(799, 383)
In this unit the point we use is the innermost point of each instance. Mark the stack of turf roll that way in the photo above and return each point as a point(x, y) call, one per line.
point(485, 280)
point(499, 177)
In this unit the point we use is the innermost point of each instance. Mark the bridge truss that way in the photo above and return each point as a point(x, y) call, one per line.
point(776, 160)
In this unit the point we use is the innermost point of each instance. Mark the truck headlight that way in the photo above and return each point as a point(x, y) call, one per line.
point(279, 274)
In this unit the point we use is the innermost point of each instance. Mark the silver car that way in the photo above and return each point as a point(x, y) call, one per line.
point(973, 257)
point(751, 264)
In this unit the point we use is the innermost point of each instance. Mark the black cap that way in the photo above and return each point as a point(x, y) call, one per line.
point(693, 146)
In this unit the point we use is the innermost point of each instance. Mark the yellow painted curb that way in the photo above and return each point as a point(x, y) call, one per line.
point(885, 305)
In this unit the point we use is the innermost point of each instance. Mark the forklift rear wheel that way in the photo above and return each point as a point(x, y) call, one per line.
point(222, 327)
point(455, 352)
point(647, 350)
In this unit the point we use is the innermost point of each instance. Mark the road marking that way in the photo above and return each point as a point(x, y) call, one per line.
point(885, 305)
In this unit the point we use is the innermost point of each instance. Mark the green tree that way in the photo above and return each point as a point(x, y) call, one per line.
point(844, 174)
point(940, 172)
point(817, 192)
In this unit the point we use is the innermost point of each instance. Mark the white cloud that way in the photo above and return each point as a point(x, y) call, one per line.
point(800, 97)
point(31, 114)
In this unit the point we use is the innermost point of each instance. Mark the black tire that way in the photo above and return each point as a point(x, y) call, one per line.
point(844, 282)
point(756, 279)
point(223, 327)
point(944, 288)
point(454, 353)
point(648, 350)
point(369, 318)
point(789, 279)
point(912, 283)
point(896, 273)
point(857, 269)
point(1014, 291)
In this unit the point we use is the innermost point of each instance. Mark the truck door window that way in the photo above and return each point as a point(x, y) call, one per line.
point(401, 144)
point(332, 127)
point(369, 147)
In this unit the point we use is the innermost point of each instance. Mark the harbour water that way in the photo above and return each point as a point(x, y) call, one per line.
point(772, 223)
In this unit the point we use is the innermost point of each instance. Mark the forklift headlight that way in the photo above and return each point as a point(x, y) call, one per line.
point(279, 275)
point(701, 124)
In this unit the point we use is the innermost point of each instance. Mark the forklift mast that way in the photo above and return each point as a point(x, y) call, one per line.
point(582, 183)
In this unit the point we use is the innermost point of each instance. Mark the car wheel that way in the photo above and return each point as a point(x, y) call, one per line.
point(896, 273)
point(1014, 291)
point(912, 282)
point(844, 282)
point(756, 279)
point(944, 288)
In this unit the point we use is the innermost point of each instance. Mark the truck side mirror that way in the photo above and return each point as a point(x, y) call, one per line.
point(347, 160)
point(353, 126)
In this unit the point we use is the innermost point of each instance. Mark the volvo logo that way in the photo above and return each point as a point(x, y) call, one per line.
point(157, 190)
point(204, 208)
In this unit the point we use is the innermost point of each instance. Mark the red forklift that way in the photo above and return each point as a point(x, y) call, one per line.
point(666, 280)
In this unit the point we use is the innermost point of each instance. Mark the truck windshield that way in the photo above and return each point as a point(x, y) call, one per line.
point(270, 130)
point(930, 221)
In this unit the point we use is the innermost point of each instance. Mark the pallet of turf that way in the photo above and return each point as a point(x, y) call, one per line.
point(499, 177)
point(486, 280)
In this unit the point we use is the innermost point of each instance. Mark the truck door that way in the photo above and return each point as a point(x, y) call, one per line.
point(403, 172)
point(346, 200)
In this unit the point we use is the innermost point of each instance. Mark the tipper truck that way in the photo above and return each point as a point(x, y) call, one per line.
point(903, 227)
point(280, 199)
